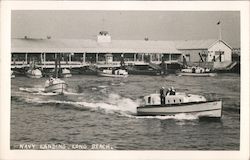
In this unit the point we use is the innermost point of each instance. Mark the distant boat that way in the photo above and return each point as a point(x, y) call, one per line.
point(66, 73)
point(180, 103)
point(118, 73)
point(56, 85)
point(197, 72)
point(12, 74)
point(33, 72)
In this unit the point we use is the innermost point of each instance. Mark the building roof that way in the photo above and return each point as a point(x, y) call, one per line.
point(195, 44)
point(115, 46)
point(198, 44)
point(92, 46)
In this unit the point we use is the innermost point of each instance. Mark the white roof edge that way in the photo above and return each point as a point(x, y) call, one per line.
point(218, 40)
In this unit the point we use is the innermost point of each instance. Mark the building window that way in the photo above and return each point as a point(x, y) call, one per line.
point(187, 56)
point(175, 56)
point(166, 57)
point(18, 57)
point(77, 57)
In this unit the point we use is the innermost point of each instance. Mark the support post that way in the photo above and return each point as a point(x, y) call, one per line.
point(96, 57)
point(41, 58)
point(84, 57)
point(44, 57)
point(70, 57)
point(26, 58)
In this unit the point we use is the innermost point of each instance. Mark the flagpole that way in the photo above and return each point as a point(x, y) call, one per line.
point(220, 34)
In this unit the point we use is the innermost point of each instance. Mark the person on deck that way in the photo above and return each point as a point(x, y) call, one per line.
point(168, 92)
point(172, 91)
point(162, 95)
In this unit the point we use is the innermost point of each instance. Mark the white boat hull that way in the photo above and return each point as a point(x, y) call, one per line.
point(112, 75)
point(197, 74)
point(66, 75)
point(212, 109)
point(34, 76)
point(56, 88)
point(36, 73)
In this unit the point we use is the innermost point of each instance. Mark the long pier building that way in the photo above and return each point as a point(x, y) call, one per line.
point(105, 51)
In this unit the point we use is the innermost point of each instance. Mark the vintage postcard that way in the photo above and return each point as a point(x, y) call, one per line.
point(124, 80)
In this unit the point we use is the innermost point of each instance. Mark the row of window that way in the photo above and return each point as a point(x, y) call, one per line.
point(91, 57)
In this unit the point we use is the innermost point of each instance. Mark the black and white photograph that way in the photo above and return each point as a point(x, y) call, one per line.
point(125, 80)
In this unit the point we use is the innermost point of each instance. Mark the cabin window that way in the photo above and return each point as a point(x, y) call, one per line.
point(180, 100)
point(149, 99)
point(174, 100)
point(168, 101)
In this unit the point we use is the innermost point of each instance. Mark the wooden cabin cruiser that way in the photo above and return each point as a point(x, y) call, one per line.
point(157, 105)
point(34, 73)
point(196, 71)
point(119, 73)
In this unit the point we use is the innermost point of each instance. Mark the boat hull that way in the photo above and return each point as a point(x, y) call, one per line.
point(197, 74)
point(56, 88)
point(212, 109)
point(34, 76)
point(112, 75)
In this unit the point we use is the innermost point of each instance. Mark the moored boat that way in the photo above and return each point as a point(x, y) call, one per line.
point(66, 73)
point(119, 73)
point(12, 74)
point(158, 105)
point(197, 72)
point(34, 73)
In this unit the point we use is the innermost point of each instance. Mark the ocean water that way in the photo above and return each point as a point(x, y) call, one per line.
point(100, 113)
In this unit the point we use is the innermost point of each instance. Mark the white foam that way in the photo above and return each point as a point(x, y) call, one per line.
point(113, 103)
point(31, 90)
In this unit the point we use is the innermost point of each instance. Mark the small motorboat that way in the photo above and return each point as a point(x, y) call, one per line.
point(34, 73)
point(196, 71)
point(66, 73)
point(12, 74)
point(157, 105)
point(55, 85)
point(119, 73)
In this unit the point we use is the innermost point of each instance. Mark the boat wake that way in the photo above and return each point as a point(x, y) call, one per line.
point(40, 91)
point(112, 104)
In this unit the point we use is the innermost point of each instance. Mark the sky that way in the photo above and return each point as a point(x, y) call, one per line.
point(128, 25)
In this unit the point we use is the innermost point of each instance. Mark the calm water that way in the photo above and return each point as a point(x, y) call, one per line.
point(102, 111)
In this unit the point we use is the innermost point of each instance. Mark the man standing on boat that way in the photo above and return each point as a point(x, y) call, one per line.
point(162, 95)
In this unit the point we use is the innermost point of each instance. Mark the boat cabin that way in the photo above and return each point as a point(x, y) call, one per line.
point(155, 99)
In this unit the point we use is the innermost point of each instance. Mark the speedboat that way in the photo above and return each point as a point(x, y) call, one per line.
point(180, 103)
point(196, 71)
point(119, 73)
point(34, 73)
point(66, 73)
point(55, 85)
